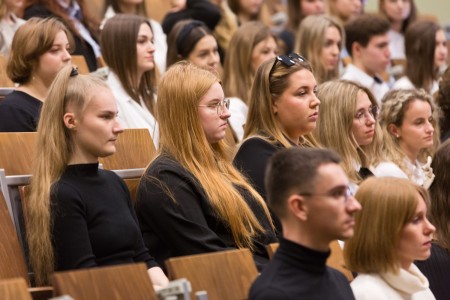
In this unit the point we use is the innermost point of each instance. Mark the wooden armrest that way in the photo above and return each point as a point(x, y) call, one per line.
point(41, 293)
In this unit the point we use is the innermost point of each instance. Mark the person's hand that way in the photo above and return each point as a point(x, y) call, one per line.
point(177, 5)
point(428, 172)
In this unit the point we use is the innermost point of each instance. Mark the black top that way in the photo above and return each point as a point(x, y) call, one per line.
point(252, 159)
point(186, 224)
point(437, 270)
point(19, 112)
point(81, 46)
point(202, 10)
point(94, 221)
point(296, 272)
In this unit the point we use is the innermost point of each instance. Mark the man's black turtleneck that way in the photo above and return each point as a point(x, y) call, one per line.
point(297, 272)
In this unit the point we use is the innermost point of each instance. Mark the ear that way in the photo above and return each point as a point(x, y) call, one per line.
point(356, 49)
point(275, 105)
point(297, 206)
point(70, 121)
point(394, 130)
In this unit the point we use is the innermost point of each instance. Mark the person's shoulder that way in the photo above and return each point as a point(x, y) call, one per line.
point(403, 83)
point(388, 169)
point(370, 287)
point(265, 292)
point(256, 143)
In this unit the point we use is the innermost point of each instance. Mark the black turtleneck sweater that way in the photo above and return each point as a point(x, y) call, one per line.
point(296, 272)
point(94, 223)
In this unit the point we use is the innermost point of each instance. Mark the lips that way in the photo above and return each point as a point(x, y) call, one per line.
point(314, 116)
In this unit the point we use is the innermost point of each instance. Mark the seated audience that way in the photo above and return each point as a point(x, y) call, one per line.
point(191, 199)
point(283, 110)
point(437, 267)
point(408, 119)
point(83, 27)
point(297, 11)
point(192, 41)
point(426, 54)
point(80, 216)
point(132, 76)
point(391, 231)
point(113, 7)
point(40, 48)
point(315, 208)
point(367, 42)
point(319, 40)
point(401, 14)
point(9, 23)
point(250, 46)
point(442, 99)
point(246, 10)
point(348, 124)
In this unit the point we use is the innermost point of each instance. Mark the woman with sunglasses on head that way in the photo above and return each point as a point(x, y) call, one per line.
point(347, 124)
point(79, 216)
point(191, 199)
point(408, 119)
point(391, 232)
point(193, 41)
point(283, 111)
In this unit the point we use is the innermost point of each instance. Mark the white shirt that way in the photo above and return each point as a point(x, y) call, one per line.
point(396, 44)
point(378, 89)
point(389, 169)
point(159, 40)
point(405, 83)
point(408, 284)
point(131, 114)
point(238, 110)
point(7, 31)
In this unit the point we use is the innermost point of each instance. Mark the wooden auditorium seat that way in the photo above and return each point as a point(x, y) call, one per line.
point(14, 289)
point(80, 62)
point(4, 79)
point(112, 283)
point(223, 274)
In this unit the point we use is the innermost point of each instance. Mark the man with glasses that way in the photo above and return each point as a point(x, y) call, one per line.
point(308, 190)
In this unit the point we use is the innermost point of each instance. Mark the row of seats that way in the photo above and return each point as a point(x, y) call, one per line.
point(134, 151)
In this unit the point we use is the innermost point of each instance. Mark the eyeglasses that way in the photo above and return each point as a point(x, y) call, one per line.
point(287, 60)
point(363, 116)
point(338, 194)
point(219, 106)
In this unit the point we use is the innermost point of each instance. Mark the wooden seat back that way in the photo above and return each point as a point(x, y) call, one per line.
point(4, 79)
point(14, 289)
point(223, 275)
point(80, 62)
point(12, 260)
point(113, 283)
point(17, 151)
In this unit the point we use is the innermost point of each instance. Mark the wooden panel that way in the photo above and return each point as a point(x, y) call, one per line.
point(271, 249)
point(132, 185)
point(80, 62)
point(14, 289)
point(17, 150)
point(4, 79)
point(157, 9)
point(224, 275)
point(112, 283)
point(134, 149)
point(12, 260)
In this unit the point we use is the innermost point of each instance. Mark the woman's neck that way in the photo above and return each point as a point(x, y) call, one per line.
point(396, 26)
point(36, 88)
point(128, 8)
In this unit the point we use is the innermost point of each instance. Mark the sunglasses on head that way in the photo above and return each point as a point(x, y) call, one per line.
point(287, 60)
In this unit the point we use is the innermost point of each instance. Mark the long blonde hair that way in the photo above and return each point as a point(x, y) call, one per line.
point(338, 101)
point(238, 73)
point(393, 109)
point(180, 91)
point(54, 151)
point(267, 86)
point(310, 41)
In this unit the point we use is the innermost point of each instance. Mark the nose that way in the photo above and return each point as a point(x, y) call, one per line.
point(66, 56)
point(118, 127)
point(370, 119)
point(225, 113)
point(336, 50)
point(429, 128)
point(353, 205)
point(429, 228)
point(315, 102)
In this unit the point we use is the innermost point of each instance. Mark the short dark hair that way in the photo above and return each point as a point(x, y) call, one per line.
point(294, 170)
point(362, 28)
